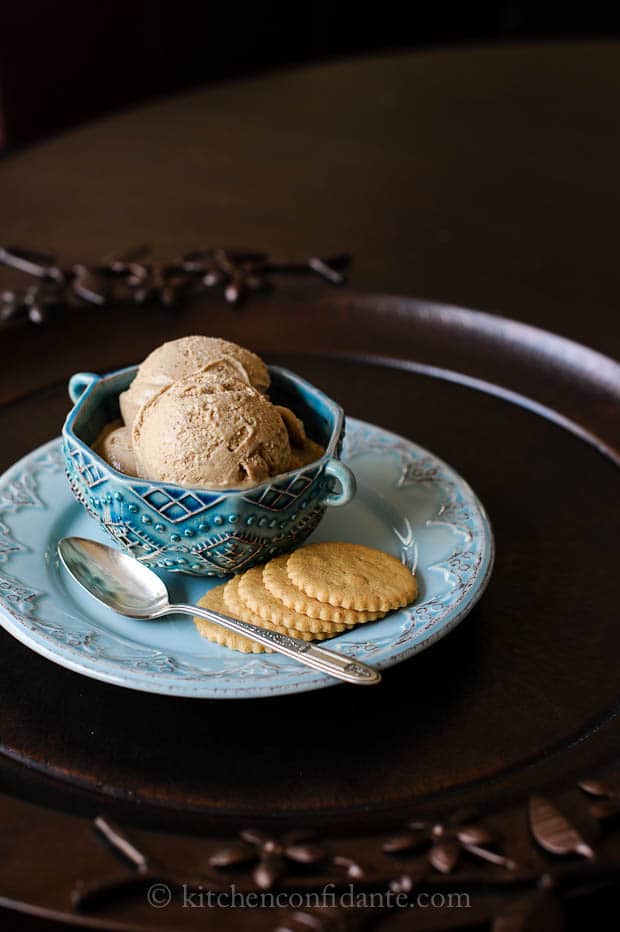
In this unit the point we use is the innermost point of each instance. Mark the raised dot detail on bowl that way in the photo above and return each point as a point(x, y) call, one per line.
point(203, 528)
point(175, 538)
point(118, 496)
point(251, 519)
point(232, 519)
point(188, 532)
point(146, 519)
point(160, 527)
point(218, 520)
point(133, 509)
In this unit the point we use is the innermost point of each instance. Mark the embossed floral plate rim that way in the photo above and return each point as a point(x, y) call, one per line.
point(83, 650)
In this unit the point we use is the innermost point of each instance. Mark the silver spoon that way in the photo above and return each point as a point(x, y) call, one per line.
point(129, 588)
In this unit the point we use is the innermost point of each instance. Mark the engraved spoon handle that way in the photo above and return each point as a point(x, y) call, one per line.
point(327, 661)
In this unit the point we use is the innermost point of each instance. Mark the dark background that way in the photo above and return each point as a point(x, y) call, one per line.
point(65, 62)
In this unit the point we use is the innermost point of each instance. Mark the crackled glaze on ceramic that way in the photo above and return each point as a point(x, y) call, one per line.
point(408, 502)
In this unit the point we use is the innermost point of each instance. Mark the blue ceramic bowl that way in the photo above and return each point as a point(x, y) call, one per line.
point(199, 531)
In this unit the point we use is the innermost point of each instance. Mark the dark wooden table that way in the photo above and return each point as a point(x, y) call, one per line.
point(485, 178)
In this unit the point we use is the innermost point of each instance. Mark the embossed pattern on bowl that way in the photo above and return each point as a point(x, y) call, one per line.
point(198, 531)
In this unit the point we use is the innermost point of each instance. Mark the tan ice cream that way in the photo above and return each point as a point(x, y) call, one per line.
point(303, 450)
point(114, 446)
point(180, 358)
point(208, 432)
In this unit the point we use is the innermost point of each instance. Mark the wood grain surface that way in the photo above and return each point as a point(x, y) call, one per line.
point(480, 177)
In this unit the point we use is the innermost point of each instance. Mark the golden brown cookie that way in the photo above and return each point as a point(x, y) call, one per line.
point(237, 608)
point(352, 576)
point(252, 590)
point(214, 600)
point(277, 581)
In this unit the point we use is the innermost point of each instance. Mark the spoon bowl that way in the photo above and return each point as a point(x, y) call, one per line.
point(113, 578)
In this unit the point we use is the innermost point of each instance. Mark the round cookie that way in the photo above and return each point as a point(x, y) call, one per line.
point(352, 576)
point(214, 600)
point(259, 599)
point(277, 581)
point(237, 608)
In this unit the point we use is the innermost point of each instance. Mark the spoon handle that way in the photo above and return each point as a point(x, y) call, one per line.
point(327, 661)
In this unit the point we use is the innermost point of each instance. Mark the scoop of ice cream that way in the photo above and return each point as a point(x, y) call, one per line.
point(179, 358)
point(309, 453)
point(303, 449)
point(294, 426)
point(114, 446)
point(206, 432)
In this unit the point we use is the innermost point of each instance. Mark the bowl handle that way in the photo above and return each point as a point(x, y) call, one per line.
point(79, 383)
point(345, 477)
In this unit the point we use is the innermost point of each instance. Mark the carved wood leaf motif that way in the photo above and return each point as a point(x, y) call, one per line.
point(553, 831)
point(446, 842)
point(531, 894)
point(129, 278)
point(271, 857)
point(274, 858)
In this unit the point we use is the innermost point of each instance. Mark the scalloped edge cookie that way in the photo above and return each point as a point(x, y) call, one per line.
point(279, 584)
point(352, 576)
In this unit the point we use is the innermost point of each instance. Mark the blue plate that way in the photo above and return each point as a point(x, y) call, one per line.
point(408, 503)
